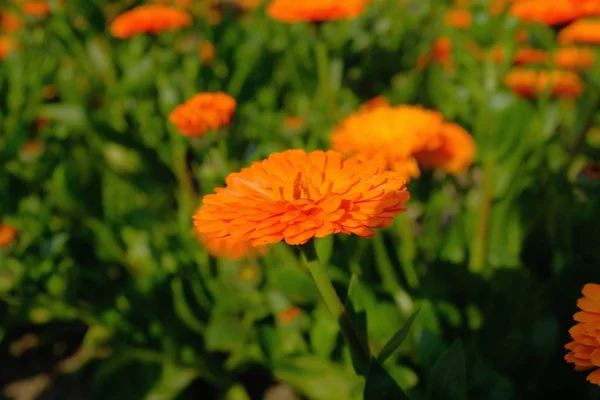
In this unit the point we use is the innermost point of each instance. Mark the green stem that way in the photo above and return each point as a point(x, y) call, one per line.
point(325, 88)
point(187, 197)
point(479, 244)
point(407, 251)
point(585, 127)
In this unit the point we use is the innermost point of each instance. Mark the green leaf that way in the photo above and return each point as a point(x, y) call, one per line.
point(397, 339)
point(448, 378)
point(172, 382)
point(183, 310)
point(354, 328)
point(380, 385)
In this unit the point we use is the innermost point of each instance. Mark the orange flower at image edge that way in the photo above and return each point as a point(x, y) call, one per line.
point(584, 350)
point(7, 235)
point(315, 10)
point(149, 19)
point(532, 83)
point(295, 196)
point(37, 8)
point(6, 46)
point(553, 12)
point(202, 113)
point(583, 31)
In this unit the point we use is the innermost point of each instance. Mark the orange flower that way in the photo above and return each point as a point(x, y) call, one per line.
point(289, 314)
point(7, 235)
point(375, 102)
point(7, 45)
point(31, 149)
point(583, 31)
point(293, 122)
point(231, 249)
point(149, 19)
point(532, 83)
point(441, 52)
point(461, 19)
point(454, 155)
point(35, 8)
point(404, 135)
point(584, 350)
point(553, 12)
point(574, 58)
point(206, 50)
point(295, 196)
point(10, 22)
point(497, 7)
point(530, 56)
point(203, 112)
point(315, 10)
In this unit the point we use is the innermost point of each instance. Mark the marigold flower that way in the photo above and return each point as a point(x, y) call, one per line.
point(574, 58)
point(10, 22)
point(7, 45)
point(461, 19)
point(206, 51)
point(293, 122)
point(441, 52)
point(149, 19)
point(289, 314)
point(532, 83)
point(375, 102)
point(530, 56)
point(555, 12)
point(203, 112)
point(7, 235)
point(35, 8)
point(454, 155)
point(584, 350)
point(583, 31)
point(295, 196)
point(315, 10)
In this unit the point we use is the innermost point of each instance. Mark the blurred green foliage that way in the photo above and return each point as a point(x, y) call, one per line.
point(105, 256)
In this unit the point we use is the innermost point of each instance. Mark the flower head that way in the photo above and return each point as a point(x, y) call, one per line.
point(375, 102)
point(546, 12)
point(454, 154)
point(295, 196)
point(584, 350)
point(461, 19)
point(202, 113)
point(402, 135)
point(7, 45)
point(532, 83)
point(574, 58)
point(585, 31)
point(315, 10)
point(289, 314)
point(206, 51)
point(10, 22)
point(35, 8)
point(230, 249)
point(7, 235)
point(530, 56)
point(149, 19)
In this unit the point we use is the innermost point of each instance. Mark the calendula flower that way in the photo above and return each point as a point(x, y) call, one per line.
point(231, 249)
point(454, 154)
point(35, 8)
point(441, 52)
point(461, 19)
point(584, 350)
point(555, 12)
point(152, 19)
point(202, 113)
point(293, 122)
point(7, 235)
point(586, 31)
point(375, 102)
point(295, 196)
point(206, 51)
point(532, 83)
point(7, 45)
point(530, 56)
point(315, 10)
point(10, 22)
point(289, 314)
point(574, 58)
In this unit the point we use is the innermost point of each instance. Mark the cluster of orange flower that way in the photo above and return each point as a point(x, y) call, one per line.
point(11, 22)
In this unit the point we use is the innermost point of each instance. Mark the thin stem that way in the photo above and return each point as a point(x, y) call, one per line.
point(325, 88)
point(407, 251)
point(479, 244)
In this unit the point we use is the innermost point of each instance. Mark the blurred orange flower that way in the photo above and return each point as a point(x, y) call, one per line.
point(295, 196)
point(36, 8)
point(203, 112)
point(230, 249)
point(497, 7)
point(289, 314)
point(574, 58)
point(584, 350)
point(7, 235)
point(554, 12)
point(7, 45)
point(149, 19)
point(10, 22)
point(375, 102)
point(441, 52)
point(404, 136)
point(293, 122)
point(315, 10)
point(461, 19)
point(583, 31)
point(206, 51)
point(532, 83)
point(530, 56)
point(454, 154)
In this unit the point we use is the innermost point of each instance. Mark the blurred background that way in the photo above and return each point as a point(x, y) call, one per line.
point(106, 292)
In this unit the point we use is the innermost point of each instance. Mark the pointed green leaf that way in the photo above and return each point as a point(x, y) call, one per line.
point(354, 328)
point(448, 378)
point(381, 386)
point(397, 339)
